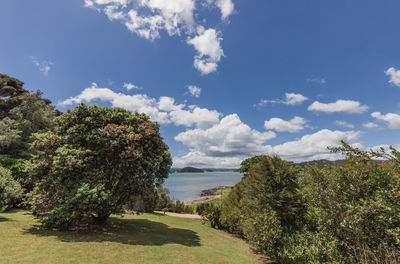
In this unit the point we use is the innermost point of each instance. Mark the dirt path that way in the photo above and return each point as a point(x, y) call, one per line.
point(190, 216)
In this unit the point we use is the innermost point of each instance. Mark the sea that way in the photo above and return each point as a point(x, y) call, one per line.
point(187, 187)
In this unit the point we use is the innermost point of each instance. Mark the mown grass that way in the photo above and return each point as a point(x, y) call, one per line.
point(146, 238)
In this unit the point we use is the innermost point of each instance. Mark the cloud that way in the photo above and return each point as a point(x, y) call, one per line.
point(370, 125)
point(296, 124)
point(227, 8)
point(394, 76)
point(290, 99)
point(314, 146)
point(201, 117)
point(344, 124)
point(347, 106)
point(230, 137)
point(208, 47)
point(201, 160)
point(130, 86)
point(43, 66)
point(164, 110)
point(392, 120)
point(317, 79)
point(147, 18)
point(214, 153)
point(194, 91)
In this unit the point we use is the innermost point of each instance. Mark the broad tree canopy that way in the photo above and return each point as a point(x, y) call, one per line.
point(96, 162)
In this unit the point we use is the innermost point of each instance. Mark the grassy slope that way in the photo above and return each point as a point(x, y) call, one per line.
point(133, 239)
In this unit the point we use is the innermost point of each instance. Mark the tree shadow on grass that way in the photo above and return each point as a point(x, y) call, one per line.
point(4, 219)
point(126, 231)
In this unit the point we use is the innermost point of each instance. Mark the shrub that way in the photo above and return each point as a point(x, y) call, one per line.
point(211, 212)
point(347, 213)
point(10, 190)
point(355, 204)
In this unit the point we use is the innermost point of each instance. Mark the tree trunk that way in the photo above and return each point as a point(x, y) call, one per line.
point(100, 219)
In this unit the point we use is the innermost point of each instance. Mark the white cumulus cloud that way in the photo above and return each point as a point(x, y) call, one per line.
point(230, 137)
point(147, 18)
point(347, 106)
point(164, 110)
point(394, 76)
point(392, 120)
point(201, 160)
point(314, 146)
point(208, 47)
point(296, 124)
point(227, 8)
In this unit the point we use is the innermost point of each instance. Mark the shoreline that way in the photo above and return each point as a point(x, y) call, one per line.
point(204, 199)
point(208, 195)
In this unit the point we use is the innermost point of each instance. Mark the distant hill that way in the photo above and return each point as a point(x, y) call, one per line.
point(320, 163)
point(174, 170)
point(323, 162)
point(191, 169)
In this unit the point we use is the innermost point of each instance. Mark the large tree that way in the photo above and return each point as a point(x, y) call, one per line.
point(21, 114)
point(11, 90)
point(97, 162)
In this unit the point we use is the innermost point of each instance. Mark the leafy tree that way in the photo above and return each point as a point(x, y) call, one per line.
point(246, 164)
point(10, 94)
point(33, 114)
point(271, 198)
point(21, 114)
point(10, 190)
point(96, 162)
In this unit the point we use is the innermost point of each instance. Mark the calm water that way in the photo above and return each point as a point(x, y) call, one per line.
point(188, 186)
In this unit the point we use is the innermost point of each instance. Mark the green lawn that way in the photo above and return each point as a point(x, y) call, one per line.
point(145, 238)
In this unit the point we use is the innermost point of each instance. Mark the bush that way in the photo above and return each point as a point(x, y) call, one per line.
point(98, 161)
point(10, 190)
point(18, 170)
point(211, 212)
point(347, 213)
point(356, 204)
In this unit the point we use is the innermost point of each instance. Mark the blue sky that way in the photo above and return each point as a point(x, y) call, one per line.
point(226, 79)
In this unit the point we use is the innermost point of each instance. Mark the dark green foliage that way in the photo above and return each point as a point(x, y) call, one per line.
point(246, 164)
point(344, 213)
point(356, 205)
point(21, 114)
point(11, 92)
point(231, 211)
point(271, 199)
point(10, 190)
point(97, 162)
point(211, 212)
point(33, 114)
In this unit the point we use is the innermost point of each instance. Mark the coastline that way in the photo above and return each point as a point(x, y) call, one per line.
point(209, 195)
point(204, 199)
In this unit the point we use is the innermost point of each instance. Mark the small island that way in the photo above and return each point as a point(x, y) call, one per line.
point(191, 169)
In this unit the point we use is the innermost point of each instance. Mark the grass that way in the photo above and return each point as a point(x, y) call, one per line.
point(146, 238)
